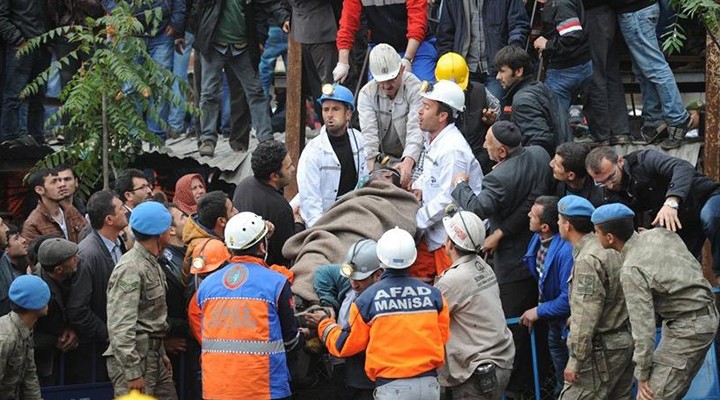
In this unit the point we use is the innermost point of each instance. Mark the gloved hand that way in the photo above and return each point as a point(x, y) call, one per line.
point(407, 64)
point(340, 72)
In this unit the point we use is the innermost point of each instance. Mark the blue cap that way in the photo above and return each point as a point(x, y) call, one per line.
point(611, 212)
point(150, 218)
point(337, 92)
point(575, 206)
point(29, 292)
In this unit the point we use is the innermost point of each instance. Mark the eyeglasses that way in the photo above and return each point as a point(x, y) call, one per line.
point(143, 187)
point(607, 180)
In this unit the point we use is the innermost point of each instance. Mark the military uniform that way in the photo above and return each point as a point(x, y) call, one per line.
point(18, 376)
point(137, 323)
point(660, 275)
point(600, 342)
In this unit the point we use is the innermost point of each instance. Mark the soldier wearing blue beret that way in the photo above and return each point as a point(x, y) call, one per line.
point(597, 311)
point(660, 276)
point(29, 296)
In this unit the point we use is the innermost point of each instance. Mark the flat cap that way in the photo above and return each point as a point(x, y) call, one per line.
point(29, 292)
point(507, 133)
point(55, 251)
point(150, 218)
point(611, 212)
point(575, 206)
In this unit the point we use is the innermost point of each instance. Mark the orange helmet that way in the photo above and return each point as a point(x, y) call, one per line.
point(208, 255)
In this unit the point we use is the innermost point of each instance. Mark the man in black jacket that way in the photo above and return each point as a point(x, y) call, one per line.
point(262, 194)
point(674, 194)
point(477, 30)
point(571, 177)
point(226, 37)
point(98, 253)
point(530, 104)
point(20, 21)
point(564, 48)
point(505, 200)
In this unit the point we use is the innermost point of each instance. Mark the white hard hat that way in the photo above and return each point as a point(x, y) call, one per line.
point(445, 92)
point(384, 62)
point(396, 249)
point(244, 230)
point(466, 230)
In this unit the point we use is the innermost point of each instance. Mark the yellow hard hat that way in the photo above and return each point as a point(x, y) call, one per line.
point(135, 395)
point(452, 67)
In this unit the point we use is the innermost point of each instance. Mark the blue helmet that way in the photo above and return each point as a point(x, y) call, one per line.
point(339, 93)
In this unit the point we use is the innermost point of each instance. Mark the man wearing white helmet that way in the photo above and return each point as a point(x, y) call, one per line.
point(400, 322)
point(248, 321)
point(479, 355)
point(446, 154)
point(388, 109)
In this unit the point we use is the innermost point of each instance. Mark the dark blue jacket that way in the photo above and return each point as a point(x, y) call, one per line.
point(554, 284)
point(173, 14)
point(505, 22)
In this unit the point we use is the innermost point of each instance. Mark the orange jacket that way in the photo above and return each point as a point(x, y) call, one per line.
point(400, 322)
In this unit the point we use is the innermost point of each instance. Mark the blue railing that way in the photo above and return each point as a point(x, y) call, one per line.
point(533, 350)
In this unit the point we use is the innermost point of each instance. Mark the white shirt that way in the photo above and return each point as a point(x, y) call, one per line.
point(318, 174)
point(446, 156)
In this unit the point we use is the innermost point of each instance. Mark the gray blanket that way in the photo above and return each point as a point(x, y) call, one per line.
point(364, 213)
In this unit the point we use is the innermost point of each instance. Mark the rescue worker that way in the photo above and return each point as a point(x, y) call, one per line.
point(388, 109)
point(137, 311)
point(479, 354)
point(446, 155)
point(29, 296)
point(248, 322)
point(400, 322)
point(208, 256)
point(660, 276)
point(332, 163)
point(135, 395)
point(481, 106)
point(600, 344)
point(362, 269)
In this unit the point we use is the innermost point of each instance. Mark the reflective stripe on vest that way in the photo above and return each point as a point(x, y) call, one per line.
point(242, 346)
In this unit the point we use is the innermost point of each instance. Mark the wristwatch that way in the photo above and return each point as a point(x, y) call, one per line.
point(672, 204)
point(460, 180)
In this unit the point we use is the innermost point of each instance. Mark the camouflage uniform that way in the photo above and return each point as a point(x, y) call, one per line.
point(18, 376)
point(600, 342)
point(661, 276)
point(137, 323)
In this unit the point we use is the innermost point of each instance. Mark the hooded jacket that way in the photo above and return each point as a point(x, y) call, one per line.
point(193, 233)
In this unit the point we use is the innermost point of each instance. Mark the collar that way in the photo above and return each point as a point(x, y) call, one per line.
point(145, 253)
point(462, 260)
point(248, 259)
point(400, 93)
point(267, 185)
point(546, 242)
point(583, 242)
point(25, 332)
point(632, 242)
point(516, 87)
point(109, 243)
point(43, 210)
point(440, 135)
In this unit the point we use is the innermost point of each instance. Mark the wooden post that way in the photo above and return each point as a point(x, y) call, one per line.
point(711, 159)
point(294, 124)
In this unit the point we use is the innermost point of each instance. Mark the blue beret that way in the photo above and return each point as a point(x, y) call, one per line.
point(575, 206)
point(150, 218)
point(611, 212)
point(29, 292)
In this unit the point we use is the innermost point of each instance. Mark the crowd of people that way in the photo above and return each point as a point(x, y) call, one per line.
point(574, 44)
point(461, 201)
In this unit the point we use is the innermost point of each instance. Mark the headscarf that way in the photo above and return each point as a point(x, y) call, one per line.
point(184, 198)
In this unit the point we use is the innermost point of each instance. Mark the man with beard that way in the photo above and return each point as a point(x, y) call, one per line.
point(332, 163)
point(50, 217)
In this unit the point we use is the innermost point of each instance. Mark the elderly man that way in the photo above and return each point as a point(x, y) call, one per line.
point(446, 155)
point(388, 109)
point(505, 200)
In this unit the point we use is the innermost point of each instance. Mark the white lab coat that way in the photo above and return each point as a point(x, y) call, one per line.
point(446, 156)
point(318, 174)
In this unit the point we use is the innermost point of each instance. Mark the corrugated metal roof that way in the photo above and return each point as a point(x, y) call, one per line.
point(688, 151)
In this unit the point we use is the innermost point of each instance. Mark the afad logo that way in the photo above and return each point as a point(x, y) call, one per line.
point(235, 277)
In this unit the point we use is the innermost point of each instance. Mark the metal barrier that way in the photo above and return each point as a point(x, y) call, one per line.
point(533, 349)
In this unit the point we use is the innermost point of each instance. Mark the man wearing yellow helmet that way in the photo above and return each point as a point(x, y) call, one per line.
point(481, 106)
